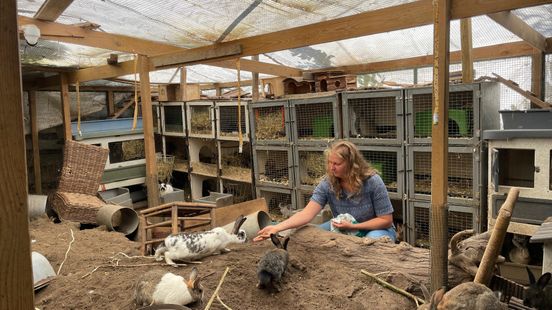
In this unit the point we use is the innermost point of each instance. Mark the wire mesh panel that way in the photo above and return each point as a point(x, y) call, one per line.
point(280, 201)
point(203, 157)
point(310, 166)
point(389, 162)
point(240, 191)
point(374, 117)
point(466, 117)
point(270, 122)
point(178, 147)
point(227, 120)
point(315, 120)
point(200, 119)
point(173, 118)
point(235, 165)
point(273, 166)
point(463, 174)
point(459, 218)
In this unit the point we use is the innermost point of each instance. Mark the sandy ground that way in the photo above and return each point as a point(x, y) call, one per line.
point(102, 268)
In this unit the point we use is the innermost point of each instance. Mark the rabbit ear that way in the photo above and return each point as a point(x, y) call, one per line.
point(275, 240)
point(237, 224)
point(543, 280)
point(531, 276)
point(285, 243)
point(427, 296)
point(193, 281)
point(437, 296)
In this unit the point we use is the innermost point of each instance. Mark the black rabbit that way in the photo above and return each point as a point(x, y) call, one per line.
point(539, 293)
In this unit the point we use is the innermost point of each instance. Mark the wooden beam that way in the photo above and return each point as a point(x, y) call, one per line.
point(518, 27)
point(537, 75)
point(195, 56)
point(16, 286)
point(110, 98)
point(50, 10)
point(34, 138)
point(183, 83)
point(498, 51)
point(149, 142)
point(467, 56)
point(65, 106)
point(439, 146)
point(255, 83)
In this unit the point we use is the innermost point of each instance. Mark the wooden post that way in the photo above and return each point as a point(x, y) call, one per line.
point(110, 103)
point(34, 137)
point(16, 284)
point(183, 84)
point(439, 147)
point(66, 106)
point(467, 56)
point(486, 267)
point(218, 91)
point(255, 82)
point(537, 76)
point(149, 142)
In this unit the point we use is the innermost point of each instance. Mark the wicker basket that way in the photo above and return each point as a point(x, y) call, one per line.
point(76, 207)
point(83, 167)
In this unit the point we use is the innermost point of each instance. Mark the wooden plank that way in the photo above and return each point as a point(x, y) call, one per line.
point(110, 102)
point(229, 214)
point(183, 83)
point(518, 27)
point(127, 105)
point(439, 146)
point(149, 142)
point(537, 75)
point(194, 56)
point(514, 86)
point(50, 10)
point(65, 106)
point(16, 286)
point(255, 82)
point(259, 67)
point(34, 138)
point(467, 56)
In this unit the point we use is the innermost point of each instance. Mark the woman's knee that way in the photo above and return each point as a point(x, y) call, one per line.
point(378, 233)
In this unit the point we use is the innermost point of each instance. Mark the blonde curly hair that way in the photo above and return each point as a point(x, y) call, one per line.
point(358, 169)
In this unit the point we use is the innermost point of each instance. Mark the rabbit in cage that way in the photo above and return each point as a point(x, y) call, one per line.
point(519, 253)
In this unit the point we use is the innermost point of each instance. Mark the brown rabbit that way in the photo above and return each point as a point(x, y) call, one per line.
point(468, 295)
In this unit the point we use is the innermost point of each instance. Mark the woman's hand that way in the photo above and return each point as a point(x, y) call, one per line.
point(265, 233)
point(343, 224)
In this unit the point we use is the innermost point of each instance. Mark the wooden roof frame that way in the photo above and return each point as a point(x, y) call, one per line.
point(50, 10)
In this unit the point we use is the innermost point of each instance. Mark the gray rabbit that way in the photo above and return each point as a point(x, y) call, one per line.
point(539, 293)
point(273, 264)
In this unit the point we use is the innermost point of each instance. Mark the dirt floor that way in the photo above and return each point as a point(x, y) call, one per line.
point(99, 272)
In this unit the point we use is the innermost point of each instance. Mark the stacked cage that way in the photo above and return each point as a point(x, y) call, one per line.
point(315, 124)
point(173, 159)
point(271, 137)
point(471, 108)
point(374, 121)
point(234, 149)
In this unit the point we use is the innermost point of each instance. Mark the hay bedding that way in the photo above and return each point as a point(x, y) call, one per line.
point(324, 274)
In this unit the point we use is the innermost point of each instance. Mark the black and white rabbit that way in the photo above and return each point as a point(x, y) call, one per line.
point(273, 264)
point(539, 293)
point(196, 245)
point(161, 287)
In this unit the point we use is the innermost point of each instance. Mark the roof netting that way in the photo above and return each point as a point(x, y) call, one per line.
point(190, 24)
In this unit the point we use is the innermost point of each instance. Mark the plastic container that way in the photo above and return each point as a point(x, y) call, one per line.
point(176, 195)
point(527, 119)
point(119, 196)
point(219, 199)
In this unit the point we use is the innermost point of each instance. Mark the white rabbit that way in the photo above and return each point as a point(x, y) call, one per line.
point(196, 245)
point(165, 188)
point(161, 287)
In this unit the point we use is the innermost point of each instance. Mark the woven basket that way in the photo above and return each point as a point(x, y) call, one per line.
point(83, 167)
point(76, 207)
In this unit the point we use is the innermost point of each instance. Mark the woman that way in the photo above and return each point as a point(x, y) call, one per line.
point(351, 186)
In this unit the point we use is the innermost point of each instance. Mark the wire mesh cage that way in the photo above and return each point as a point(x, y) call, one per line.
point(471, 108)
point(228, 120)
point(280, 201)
point(270, 122)
point(273, 166)
point(240, 191)
point(126, 150)
point(200, 119)
point(389, 162)
point(165, 166)
point(156, 116)
point(310, 166)
point(373, 117)
point(315, 120)
point(173, 118)
point(463, 174)
point(178, 147)
point(459, 218)
point(235, 165)
point(203, 157)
